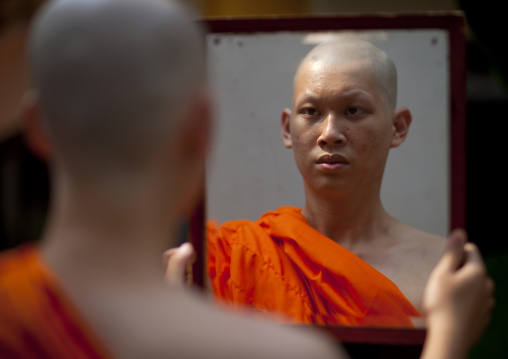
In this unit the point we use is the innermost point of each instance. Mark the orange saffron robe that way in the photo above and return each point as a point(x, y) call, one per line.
point(36, 318)
point(281, 264)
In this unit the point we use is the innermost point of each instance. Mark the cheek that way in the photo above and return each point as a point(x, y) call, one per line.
point(369, 143)
point(374, 138)
point(300, 149)
point(303, 137)
point(303, 141)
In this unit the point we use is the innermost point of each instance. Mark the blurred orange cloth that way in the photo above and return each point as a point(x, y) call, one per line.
point(281, 264)
point(37, 320)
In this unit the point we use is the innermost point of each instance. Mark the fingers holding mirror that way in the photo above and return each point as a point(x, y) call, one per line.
point(178, 262)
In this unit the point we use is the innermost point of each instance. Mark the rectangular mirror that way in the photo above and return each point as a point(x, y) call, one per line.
point(251, 66)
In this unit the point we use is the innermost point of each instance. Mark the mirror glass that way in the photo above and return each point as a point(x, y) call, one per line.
point(251, 172)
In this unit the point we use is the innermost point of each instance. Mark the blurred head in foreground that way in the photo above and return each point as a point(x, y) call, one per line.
point(120, 105)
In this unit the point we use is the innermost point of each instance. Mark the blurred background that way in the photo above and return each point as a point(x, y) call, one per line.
point(24, 185)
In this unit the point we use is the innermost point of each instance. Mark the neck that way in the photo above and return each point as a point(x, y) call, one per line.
point(346, 218)
point(109, 237)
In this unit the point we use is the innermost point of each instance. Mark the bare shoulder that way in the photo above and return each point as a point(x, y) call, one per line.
point(412, 256)
point(430, 246)
point(187, 325)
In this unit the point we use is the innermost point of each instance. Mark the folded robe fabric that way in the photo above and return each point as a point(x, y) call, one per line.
point(280, 264)
point(36, 318)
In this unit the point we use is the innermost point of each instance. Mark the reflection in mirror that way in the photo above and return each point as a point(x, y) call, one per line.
point(327, 252)
point(251, 171)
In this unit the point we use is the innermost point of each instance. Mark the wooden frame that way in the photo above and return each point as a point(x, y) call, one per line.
point(376, 341)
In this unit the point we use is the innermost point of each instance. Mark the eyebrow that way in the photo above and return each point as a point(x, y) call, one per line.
point(348, 94)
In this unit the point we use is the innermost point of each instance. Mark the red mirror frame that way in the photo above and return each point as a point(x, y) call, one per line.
point(362, 341)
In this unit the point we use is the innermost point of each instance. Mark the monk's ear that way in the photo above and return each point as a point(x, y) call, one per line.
point(401, 122)
point(285, 128)
point(33, 133)
point(195, 137)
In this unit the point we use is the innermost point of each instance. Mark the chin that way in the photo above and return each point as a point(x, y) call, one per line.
point(331, 186)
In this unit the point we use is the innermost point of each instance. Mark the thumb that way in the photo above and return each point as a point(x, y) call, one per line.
point(453, 255)
point(177, 264)
point(472, 255)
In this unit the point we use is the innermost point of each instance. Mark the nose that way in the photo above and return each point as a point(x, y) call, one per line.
point(331, 132)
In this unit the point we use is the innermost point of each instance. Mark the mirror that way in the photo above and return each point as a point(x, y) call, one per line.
point(252, 62)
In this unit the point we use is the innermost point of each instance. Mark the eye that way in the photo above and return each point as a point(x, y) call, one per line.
point(309, 111)
point(354, 111)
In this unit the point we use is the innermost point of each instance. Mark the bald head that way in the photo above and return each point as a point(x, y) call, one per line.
point(114, 77)
point(335, 53)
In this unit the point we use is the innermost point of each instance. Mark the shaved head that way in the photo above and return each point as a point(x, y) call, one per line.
point(331, 53)
point(114, 77)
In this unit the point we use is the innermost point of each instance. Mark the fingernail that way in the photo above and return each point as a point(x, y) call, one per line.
point(186, 247)
point(457, 238)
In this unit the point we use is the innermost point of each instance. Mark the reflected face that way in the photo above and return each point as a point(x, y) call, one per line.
point(340, 127)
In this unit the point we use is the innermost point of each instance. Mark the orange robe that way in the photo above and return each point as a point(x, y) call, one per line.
point(37, 320)
point(281, 264)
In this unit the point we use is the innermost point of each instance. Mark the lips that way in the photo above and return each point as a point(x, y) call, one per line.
point(332, 159)
point(331, 162)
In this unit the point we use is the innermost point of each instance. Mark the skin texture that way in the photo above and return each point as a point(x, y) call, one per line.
point(123, 116)
point(341, 127)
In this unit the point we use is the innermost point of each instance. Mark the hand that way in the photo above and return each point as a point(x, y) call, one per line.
point(178, 262)
point(458, 299)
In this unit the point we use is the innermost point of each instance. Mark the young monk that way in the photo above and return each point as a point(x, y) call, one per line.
point(341, 258)
point(121, 111)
